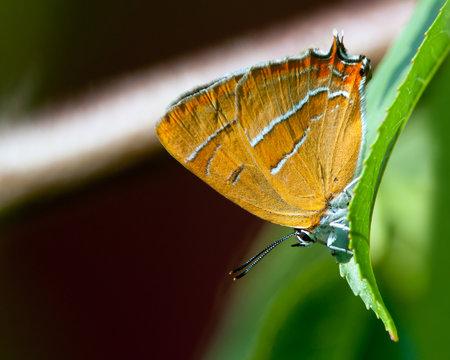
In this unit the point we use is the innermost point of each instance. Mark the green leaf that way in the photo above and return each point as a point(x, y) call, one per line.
point(305, 324)
point(409, 73)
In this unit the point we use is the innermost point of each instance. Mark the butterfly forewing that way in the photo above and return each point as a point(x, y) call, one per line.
point(201, 132)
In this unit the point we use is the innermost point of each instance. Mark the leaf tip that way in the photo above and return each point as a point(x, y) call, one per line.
point(393, 335)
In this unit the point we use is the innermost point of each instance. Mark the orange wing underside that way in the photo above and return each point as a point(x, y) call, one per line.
point(280, 140)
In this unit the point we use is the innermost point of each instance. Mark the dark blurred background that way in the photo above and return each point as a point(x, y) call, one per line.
point(131, 263)
point(65, 47)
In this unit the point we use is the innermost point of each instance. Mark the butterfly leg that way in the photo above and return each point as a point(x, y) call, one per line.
point(338, 241)
point(349, 188)
point(335, 249)
point(338, 225)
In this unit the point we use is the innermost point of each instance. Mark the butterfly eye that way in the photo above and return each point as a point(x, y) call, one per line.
point(304, 236)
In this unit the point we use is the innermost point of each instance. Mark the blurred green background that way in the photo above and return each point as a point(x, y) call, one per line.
point(108, 270)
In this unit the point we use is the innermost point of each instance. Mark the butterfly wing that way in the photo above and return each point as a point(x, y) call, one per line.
point(202, 133)
point(279, 139)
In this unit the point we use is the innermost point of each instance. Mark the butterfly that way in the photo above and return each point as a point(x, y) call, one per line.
point(282, 139)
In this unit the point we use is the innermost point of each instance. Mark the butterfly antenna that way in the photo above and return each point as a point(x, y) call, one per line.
point(257, 258)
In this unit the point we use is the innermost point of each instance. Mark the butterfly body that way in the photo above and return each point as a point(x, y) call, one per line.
point(281, 139)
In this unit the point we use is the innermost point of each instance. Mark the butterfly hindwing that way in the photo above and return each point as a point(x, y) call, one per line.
point(301, 119)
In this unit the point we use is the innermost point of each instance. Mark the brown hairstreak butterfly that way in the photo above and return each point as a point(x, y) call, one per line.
point(282, 139)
